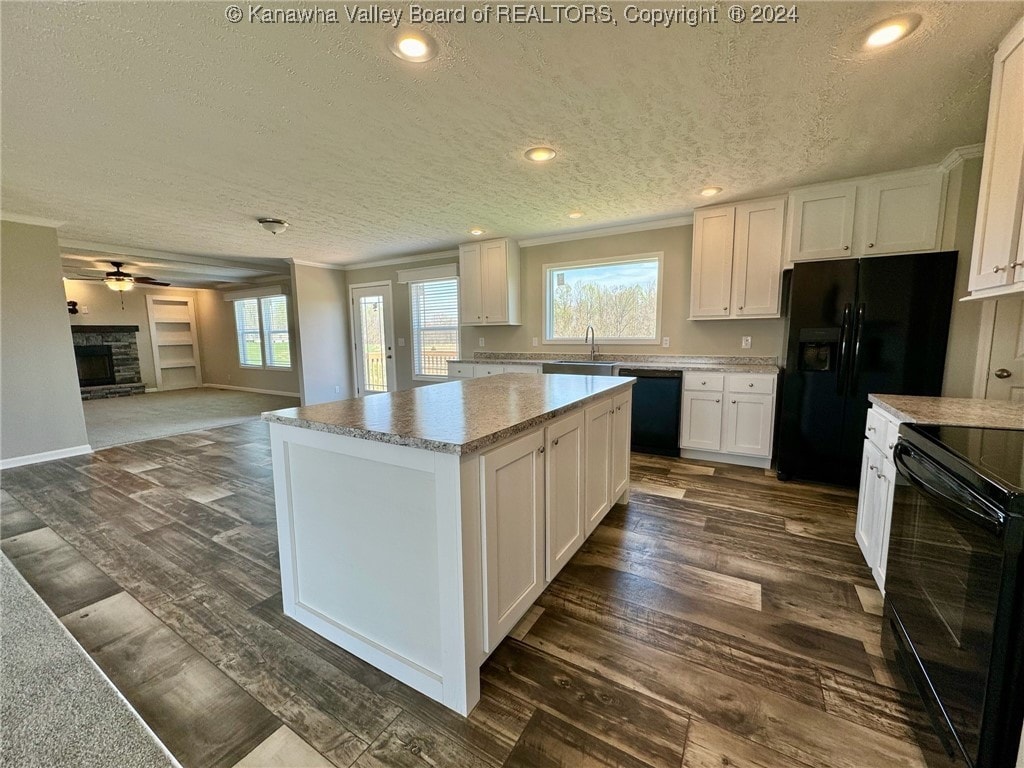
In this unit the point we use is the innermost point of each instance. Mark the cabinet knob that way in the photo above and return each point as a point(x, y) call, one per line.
point(725, 309)
point(555, 441)
point(741, 306)
point(703, 383)
point(891, 446)
point(997, 269)
point(542, 450)
point(879, 475)
point(871, 429)
point(872, 467)
point(846, 247)
point(733, 402)
point(718, 400)
point(871, 245)
point(1016, 264)
point(751, 385)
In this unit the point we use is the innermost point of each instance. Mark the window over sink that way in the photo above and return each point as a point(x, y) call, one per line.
point(620, 297)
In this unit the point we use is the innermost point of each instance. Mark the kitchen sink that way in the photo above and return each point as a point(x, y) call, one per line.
point(582, 367)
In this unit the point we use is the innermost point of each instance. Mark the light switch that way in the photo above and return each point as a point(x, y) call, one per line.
point(535, 341)
point(84, 310)
point(664, 341)
point(745, 342)
point(481, 341)
point(401, 342)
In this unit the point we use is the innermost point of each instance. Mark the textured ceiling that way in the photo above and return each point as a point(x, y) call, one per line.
point(162, 126)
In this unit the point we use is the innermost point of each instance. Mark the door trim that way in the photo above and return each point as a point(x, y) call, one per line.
point(392, 368)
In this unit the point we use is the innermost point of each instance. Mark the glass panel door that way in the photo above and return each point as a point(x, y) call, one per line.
point(374, 351)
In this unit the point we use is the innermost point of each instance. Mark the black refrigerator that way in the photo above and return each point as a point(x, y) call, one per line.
point(857, 326)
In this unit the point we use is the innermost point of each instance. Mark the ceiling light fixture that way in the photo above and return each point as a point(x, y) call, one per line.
point(576, 215)
point(891, 30)
point(710, 191)
point(273, 226)
point(119, 284)
point(476, 232)
point(539, 154)
point(413, 45)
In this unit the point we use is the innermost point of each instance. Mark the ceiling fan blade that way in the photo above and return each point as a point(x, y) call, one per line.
point(149, 281)
point(84, 277)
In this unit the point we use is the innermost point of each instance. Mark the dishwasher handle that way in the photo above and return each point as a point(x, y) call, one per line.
point(650, 373)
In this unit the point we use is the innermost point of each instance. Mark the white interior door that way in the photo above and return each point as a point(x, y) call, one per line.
point(373, 338)
point(1006, 365)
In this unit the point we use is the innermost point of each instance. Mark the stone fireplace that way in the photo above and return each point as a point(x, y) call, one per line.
point(107, 357)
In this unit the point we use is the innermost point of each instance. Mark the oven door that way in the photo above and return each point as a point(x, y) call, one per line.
point(943, 588)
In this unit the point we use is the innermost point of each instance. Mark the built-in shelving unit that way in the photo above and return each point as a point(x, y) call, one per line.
point(172, 327)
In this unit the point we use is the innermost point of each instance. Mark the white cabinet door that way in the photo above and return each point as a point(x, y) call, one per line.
point(494, 270)
point(470, 285)
point(867, 503)
point(622, 419)
point(1001, 199)
point(598, 477)
point(480, 370)
point(884, 494)
point(901, 213)
point(748, 424)
point(821, 222)
point(701, 426)
point(711, 273)
point(512, 495)
point(564, 484)
point(757, 260)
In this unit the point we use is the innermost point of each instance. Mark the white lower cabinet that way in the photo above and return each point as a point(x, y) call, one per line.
point(878, 478)
point(541, 495)
point(564, 490)
point(732, 415)
point(461, 370)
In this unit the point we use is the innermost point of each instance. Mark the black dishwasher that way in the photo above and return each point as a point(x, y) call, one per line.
point(657, 398)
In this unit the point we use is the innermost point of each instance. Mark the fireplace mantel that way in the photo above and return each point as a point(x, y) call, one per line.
point(104, 329)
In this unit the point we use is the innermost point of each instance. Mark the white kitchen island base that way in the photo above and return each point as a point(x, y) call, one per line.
point(419, 561)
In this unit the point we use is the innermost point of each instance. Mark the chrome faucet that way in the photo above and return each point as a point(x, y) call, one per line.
point(590, 334)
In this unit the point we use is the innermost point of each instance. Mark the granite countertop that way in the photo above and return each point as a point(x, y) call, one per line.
point(709, 363)
point(952, 411)
point(459, 417)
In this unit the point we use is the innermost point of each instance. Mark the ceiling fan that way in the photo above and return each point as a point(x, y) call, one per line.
point(119, 280)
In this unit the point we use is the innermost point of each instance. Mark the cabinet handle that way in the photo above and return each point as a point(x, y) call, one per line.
point(725, 309)
point(718, 400)
point(733, 402)
point(846, 247)
point(555, 441)
point(751, 385)
point(871, 429)
point(542, 451)
point(997, 269)
point(872, 467)
point(871, 245)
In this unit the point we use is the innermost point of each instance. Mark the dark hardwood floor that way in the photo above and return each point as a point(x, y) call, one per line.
point(721, 618)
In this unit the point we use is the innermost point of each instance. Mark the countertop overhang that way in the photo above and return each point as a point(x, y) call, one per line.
point(458, 417)
point(952, 411)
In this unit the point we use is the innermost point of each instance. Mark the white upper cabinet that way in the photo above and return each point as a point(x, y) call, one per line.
point(821, 222)
point(713, 234)
point(902, 213)
point(489, 283)
point(997, 261)
point(737, 260)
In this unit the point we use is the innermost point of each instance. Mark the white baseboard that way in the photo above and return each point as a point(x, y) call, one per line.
point(38, 458)
point(727, 458)
point(252, 389)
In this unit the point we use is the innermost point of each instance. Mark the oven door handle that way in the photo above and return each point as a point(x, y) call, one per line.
point(945, 491)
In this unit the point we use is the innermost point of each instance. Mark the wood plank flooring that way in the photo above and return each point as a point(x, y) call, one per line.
point(721, 618)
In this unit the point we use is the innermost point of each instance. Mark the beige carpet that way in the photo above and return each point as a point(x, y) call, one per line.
point(120, 420)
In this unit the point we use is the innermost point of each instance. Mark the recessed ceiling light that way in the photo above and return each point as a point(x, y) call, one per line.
point(576, 215)
point(413, 45)
point(710, 191)
point(891, 30)
point(476, 232)
point(273, 226)
point(539, 154)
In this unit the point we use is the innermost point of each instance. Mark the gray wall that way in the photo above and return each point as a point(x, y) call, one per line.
point(105, 309)
point(40, 404)
point(323, 333)
point(219, 348)
point(686, 337)
point(401, 310)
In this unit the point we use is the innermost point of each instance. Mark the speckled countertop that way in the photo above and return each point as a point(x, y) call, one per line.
point(710, 363)
point(459, 417)
point(952, 411)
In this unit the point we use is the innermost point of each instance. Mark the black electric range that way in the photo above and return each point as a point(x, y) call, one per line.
point(954, 590)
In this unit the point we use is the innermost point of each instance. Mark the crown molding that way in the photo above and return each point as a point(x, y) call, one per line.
point(35, 221)
point(452, 254)
point(621, 229)
point(958, 155)
point(318, 264)
point(108, 249)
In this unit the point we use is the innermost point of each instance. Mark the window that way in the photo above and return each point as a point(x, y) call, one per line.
point(620, 297)
point(435, 326)
point(262, 327)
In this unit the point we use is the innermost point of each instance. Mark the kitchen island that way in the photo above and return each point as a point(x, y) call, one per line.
point(416, 528)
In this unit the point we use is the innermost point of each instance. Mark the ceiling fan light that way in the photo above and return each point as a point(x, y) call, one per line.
point(120, 284)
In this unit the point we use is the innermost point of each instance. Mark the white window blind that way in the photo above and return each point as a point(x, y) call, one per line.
point(263, 337)
point(435, 326)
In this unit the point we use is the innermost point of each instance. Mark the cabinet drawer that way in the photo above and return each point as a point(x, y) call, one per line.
point(756, 384)
point(460, 370)
point(521, 368)
point(892, 435)
point(487, 370)
point(709, 382)
point(877, 429)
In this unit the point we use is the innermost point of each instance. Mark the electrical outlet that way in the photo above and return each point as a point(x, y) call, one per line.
point(84, 310)
point(401, 342)
point(481, 341)
point(664, 341)
point(337, 389)
point(535, 341)
point(745, 342)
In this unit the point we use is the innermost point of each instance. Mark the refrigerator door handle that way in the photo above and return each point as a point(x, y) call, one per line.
point(844, 344)
point(858, 333)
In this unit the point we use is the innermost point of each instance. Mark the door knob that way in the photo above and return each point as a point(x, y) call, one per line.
point(389, 357)
point(1002, 373)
